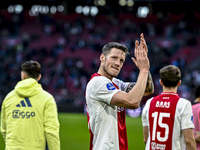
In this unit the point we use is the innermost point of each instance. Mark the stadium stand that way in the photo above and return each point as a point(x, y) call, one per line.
point(68, 47)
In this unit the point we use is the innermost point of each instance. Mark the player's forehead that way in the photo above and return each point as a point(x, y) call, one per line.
point(117, 52)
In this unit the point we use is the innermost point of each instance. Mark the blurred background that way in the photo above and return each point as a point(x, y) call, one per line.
point(66, 37)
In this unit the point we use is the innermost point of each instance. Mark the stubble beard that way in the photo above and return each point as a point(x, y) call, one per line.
point(107, 71)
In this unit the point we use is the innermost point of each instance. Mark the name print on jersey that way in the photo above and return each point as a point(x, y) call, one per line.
point(162, 104)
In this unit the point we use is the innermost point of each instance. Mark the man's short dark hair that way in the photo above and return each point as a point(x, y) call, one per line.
point(31, 68)
point(107, 48)
point(170, 75)
point(197, 91)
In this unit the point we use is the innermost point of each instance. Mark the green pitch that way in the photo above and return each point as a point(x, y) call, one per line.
point(74, 134)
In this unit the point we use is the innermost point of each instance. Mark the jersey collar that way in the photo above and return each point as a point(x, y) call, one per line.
point(169, 93)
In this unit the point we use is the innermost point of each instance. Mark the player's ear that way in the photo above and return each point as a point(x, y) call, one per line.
point(179, 83)
point(23, 75)
point(102, 57)
point(160, 81)
point(39, 77)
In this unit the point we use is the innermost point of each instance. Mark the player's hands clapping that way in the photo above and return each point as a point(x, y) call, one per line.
point(141, 59)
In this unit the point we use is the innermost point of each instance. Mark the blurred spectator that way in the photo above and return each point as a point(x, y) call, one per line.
point(65, 47)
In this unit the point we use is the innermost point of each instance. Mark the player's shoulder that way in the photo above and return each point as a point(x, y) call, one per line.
point(119, 82)
point(149, 100)
point(184, 100)
point(183, 103)
point(147, 103)
point(9, 95)
point(116, 80)
point(196, 105)
point(47, 97)
point(98, 80)
point(46, 94)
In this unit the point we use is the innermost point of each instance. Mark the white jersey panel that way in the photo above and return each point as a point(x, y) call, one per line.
point(182, 121)
point(122, 85)
point(145, 113)
point(102, 115)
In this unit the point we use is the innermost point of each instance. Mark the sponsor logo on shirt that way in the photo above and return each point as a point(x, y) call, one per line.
point(17, 114)
point(110, 86)
point(23, 104)
point(120, 109)
point(157, 146)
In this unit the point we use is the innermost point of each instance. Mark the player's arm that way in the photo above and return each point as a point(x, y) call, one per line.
point(3, 122)
point(145, 134)
point(189, 139)
point(133, 98)
point(197, 136)
point(149, 88)
point(51, 125)
point(145, 121)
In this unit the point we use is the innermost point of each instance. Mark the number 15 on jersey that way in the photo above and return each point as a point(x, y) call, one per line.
point(160, 137)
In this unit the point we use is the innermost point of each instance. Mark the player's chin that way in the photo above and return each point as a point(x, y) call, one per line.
point(115, 74)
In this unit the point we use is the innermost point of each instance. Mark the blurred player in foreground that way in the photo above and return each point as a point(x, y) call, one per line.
point(29, 116)
point(167, 119)
point(196, 114)
point(107, 97)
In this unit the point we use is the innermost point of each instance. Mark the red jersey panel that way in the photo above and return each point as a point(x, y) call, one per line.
point(121, 116)
point(161, 121)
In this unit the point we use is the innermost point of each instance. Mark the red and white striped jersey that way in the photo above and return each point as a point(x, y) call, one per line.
point(166, 116)
point(106, 122)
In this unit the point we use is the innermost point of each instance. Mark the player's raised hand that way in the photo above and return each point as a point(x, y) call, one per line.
point(143, 42)
point(141, 60)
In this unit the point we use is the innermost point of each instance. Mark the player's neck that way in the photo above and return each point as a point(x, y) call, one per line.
point(197, 100)
point(170, 90)
point(103, 73)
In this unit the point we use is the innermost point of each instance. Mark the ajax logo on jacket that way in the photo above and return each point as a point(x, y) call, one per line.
point(17, 114)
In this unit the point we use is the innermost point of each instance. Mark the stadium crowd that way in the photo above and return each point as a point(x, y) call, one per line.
point(68, 47)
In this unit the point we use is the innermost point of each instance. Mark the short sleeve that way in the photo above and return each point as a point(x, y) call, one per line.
point(103, 89)
point(186, 115)
point(122, 85)
point(145, 113)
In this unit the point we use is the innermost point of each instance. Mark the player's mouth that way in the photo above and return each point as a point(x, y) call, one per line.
point(115, 68)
